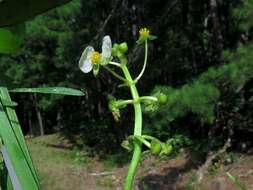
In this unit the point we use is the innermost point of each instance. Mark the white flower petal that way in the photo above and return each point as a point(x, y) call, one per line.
point(86, 52)
point(85, 63)
point(86, 66)
point(106, 47)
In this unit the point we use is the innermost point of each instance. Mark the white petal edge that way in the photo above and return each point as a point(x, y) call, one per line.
point(86, 66)
point(85, 63)
point(106, 47)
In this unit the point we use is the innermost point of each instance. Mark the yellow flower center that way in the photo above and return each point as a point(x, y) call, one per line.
point(95, 57)
point(144, 33)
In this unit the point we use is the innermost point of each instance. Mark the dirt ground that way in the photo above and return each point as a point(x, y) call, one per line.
point(61, 169)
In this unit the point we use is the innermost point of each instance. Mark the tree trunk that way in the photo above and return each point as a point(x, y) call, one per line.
point(216, 29)
point(59, 121)
point(42, 131)
point(39, 117)
point(30, 123)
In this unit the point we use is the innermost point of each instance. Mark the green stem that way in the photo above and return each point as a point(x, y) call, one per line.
point(125, 102)
point(145, 62)
point(133, 166)
point(114, 73)
point(137, 105)
point(114, 63)
point(137, 128)
point(143, 98)
point(143, 141)
point(149, 137)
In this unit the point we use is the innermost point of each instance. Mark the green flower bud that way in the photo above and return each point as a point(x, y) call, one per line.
point(116, 46)
point(127, 145)
point(120, 55)
point(166, 149)
point(162, 98)
point(115, 49)
point(123, 47)
point(116, 104)
point(156, 146)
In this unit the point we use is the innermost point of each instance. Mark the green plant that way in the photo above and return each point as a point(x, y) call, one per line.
point(80, 157)
point(92, 60)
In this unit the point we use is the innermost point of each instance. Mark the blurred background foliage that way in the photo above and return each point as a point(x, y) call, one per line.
point(202, 60)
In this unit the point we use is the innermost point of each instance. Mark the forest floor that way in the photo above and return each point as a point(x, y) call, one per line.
point(62, 168)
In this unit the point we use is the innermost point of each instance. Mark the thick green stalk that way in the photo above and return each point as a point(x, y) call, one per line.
point(133, 166)
point(137, 128)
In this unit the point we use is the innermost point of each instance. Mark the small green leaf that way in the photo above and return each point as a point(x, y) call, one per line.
point(152, 37)
point(49, 90)
point(139, 42)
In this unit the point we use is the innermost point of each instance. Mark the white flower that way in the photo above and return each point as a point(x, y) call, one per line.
point(91, 59)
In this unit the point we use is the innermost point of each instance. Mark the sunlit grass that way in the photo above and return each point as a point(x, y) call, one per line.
point(57, 167)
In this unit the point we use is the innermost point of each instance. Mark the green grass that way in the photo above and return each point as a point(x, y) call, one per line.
point(62, 168)
point(57, 167)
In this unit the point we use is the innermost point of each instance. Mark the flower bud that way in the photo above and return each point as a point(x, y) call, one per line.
point(166, 149)
point(162, 98)
point(156, 146)
point(127, 145)
point(123, 47)
point(114, 51)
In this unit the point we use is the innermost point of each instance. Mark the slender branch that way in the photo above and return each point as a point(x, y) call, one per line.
point(137, 100)
point(106, 21)
point(148, 137)
point(114, 63)
point(145, 142)
point(124, 102)
point(122, 85)
point(210, 158)
point(114, 73)
point(148, 98)
point(145, 62)
point(236, 181)
point(102, 174)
